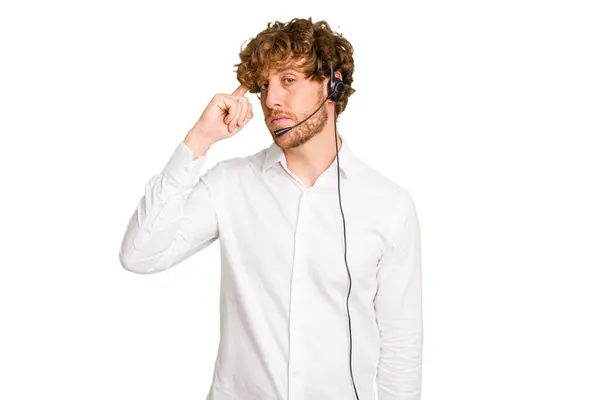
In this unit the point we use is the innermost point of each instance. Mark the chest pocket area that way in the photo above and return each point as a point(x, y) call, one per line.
point(326, 263)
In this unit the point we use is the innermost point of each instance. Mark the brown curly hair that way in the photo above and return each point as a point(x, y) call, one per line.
point(300, 44)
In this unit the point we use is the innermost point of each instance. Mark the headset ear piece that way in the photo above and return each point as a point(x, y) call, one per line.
point(336, 87)
point(338, 91)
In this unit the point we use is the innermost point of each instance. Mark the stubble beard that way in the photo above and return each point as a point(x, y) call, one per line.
point(301, 134)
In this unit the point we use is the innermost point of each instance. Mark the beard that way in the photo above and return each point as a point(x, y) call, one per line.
point(301, 134)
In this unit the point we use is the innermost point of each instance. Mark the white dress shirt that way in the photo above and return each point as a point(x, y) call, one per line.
point(284, 282)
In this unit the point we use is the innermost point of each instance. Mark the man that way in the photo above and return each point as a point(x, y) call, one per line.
point(311, 309)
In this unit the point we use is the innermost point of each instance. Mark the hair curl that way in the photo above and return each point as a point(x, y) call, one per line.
point(299, 44)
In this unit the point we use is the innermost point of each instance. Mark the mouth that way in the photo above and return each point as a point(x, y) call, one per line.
point(277, 120)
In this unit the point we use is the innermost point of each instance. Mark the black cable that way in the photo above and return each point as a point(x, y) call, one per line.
point(345, 249)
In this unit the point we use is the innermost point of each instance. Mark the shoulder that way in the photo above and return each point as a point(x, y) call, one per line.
point(382, 186)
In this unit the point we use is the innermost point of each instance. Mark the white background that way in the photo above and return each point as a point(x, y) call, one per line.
point(487, 112)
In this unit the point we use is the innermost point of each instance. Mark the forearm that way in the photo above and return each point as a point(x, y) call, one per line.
point(400, 364)
point(198, 142)
point(172, 220)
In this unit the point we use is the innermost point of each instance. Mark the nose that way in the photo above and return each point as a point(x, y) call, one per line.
point(274, 95)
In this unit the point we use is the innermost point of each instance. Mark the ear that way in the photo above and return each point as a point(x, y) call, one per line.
point(338, 74)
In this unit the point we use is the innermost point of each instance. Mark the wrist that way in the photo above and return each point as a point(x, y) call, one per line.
point(198, 142)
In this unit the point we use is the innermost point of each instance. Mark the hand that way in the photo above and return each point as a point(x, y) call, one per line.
point(225, 115)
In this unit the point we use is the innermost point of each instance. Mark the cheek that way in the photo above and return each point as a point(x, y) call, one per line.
point(307, 106)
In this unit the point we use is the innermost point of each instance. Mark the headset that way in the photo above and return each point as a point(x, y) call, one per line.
point(335, 90)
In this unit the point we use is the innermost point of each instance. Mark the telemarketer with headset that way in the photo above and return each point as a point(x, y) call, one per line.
point(310, 308)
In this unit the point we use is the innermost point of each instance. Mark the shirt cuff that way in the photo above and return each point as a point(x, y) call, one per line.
point(184, 171)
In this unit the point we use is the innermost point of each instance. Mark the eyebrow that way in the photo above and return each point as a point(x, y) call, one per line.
point(286, 71)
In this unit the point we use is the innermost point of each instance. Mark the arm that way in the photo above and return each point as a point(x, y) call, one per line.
point(176, 216)
point(398, 309)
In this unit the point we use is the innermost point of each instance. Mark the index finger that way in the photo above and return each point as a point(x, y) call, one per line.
point(240, 91)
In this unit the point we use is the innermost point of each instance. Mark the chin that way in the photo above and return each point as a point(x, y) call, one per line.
point(294, 138)
point(284, 141)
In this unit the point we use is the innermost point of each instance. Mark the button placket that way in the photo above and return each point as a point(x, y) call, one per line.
point(296, 301)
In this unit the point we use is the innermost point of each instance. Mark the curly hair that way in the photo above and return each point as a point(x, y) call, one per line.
point(299, 44)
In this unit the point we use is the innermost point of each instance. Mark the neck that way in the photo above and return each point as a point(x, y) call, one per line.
point(311, 159)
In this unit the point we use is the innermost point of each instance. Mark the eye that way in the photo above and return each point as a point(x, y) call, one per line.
point(266, 84)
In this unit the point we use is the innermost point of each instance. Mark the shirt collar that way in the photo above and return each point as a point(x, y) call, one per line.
point(275, 154)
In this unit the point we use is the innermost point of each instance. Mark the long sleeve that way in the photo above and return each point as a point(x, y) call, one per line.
point(398, 309)
point(175, 218)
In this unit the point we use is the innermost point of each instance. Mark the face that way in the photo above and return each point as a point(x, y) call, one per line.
point(291, 96)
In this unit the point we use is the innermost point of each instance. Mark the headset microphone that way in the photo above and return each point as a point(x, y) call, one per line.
point(280, 132)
